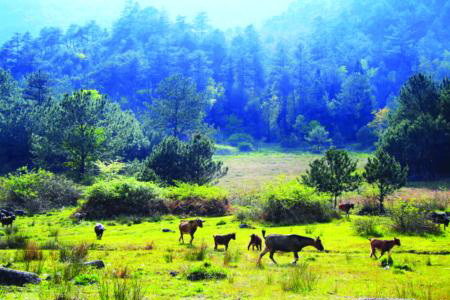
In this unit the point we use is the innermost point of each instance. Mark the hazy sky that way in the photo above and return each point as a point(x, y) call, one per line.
point(32, 15)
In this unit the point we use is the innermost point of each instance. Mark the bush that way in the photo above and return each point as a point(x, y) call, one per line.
point(196, 200)
point(290, 202)
point(245, 147)
point(204, 272)
point(197, 253)
point(37, 190)
point(237, 138)
point(122, 197)
point(86, 279)
point(13, 239)
point(366, 227)
point(406, 218)
point(174, 160)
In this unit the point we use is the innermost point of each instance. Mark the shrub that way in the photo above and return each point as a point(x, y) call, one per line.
point(30, 252)
point(245, 147)
point(196, 200)
point(13, 239)
point(299, 279)
point(74, 254)
point(290, 202)
point(406, 218)
point(197, 253)
point(204, 272)
point(237, 138)
point(86, 279)
point(174, 160)
point(366, 227)
point(121, 197)
point(37, 190)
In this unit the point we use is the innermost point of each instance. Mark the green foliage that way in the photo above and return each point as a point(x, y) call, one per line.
point(386, 173)
point(109, 170)
point(225, 150)
point(205, 271)
point(81, 129)
point(197, 253)
point(37, 190)
point(419, 130)
point(13, 239)
point(122, 197)
point(318, 137)
point(192, 162)
point(408, 219)
point(245, 147)
point(236, 138)
point(178, 110)
point(290, 202)
point(184, 191)
point(86, 279)
point(366, 227)
point(334, 174)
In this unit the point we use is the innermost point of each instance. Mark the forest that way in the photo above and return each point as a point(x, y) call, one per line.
point(331, 77)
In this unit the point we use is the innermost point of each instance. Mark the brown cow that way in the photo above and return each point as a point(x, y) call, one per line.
point(223, 240)
point(345, 207)
point(255, 241)
point(383, 245)
point(189, 227)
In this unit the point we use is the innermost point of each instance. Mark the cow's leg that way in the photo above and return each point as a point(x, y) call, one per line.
point(215, 245)
point(262, 254)
point(181, 239)
point(226, 246)
point(192, 238)
point(382, 253)
point(271, 257)
point(296, 258)
point(373, 253)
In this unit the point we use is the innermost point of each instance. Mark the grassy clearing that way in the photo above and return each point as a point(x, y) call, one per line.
point(344, 270)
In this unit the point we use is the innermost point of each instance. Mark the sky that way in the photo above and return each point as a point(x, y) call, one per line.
point(32, 15)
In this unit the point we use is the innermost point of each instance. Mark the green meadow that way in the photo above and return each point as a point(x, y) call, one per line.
point(143, 262)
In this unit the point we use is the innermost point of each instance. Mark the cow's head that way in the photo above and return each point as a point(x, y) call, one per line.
point(233, 236)
point(318, 244)
point(396, 241)
point(200, 222)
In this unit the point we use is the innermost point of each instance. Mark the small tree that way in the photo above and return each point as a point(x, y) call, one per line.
point(386, 173)
point(174, 160)
point(334, 174)
point(318, 137)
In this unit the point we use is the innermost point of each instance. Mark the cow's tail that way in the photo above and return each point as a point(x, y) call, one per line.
point(264, 233)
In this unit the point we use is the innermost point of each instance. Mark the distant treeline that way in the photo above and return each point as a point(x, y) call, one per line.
point(321, 73)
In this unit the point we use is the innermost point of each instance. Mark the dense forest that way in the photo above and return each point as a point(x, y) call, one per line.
point(320, 74)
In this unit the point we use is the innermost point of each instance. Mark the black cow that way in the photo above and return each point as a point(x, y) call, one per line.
point(440, 218)
point(288, 243)
point(99, 228)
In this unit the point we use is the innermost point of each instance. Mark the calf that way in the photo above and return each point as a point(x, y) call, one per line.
point(383, 246)
point(189, 227)
point(223, 240)
point(7, 220)
point(345, 207)
point(288, 243)
point(440, 218)
point(99, 229)
point(255, 241)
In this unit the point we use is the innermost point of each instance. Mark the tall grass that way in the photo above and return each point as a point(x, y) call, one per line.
point(299, 279)
point(197, 253)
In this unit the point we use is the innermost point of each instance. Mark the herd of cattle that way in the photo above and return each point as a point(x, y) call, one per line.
point(274, 242)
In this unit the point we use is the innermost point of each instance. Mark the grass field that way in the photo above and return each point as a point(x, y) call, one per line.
point(145, 256)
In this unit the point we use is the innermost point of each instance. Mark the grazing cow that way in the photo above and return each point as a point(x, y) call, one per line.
point(99, 229)
point(255, 241)
point(7, 220)
point(288, 243)
point(20, 212)
point(223, 240)
point(345, 207)
point(440, 218)
point(383, 246)
point(189, 227)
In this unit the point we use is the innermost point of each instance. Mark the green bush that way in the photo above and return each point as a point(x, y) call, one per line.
point(366, 227)
point(86, 279)
point(37, 190)
point(408, 219)
point(173, 161)
point(299, 279)
point(122, 197)
point(290, 202)
point(196, 200)
point(13, 239)
point(245, 147)
point(204, 272)
point(237, 138)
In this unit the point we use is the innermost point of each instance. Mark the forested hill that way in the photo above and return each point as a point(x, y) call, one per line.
point(321, 64)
